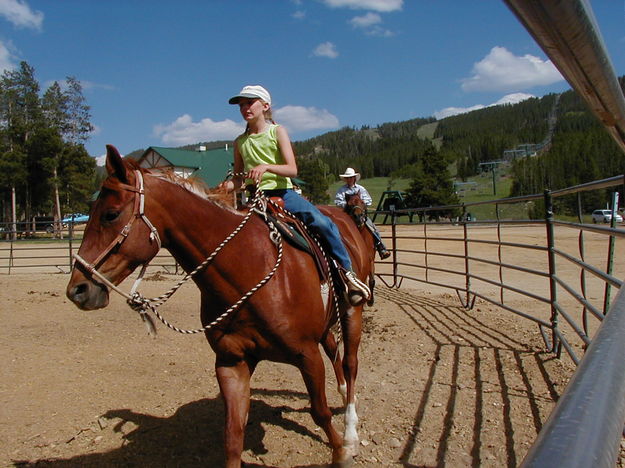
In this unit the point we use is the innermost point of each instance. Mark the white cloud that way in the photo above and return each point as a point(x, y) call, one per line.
point(449, 111)
point(19, 13)
point(365, 21)
point(513, 98)
point(501, 70)
point(184, 131)
point(370, 24)
point(326, 49)
point(6, 58)
point(299, 118)
point(384, 6)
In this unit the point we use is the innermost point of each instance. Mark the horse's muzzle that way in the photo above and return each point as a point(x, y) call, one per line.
point(88, 295)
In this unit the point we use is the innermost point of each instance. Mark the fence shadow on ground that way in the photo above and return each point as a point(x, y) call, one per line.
point(482, 375)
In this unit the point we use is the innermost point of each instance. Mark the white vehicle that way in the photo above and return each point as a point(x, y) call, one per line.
point(605, 216)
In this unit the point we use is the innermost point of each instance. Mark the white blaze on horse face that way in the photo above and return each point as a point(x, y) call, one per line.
point(350, 438)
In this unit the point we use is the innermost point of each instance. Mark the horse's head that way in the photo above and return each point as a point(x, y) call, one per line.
point(356, 208)
point(118, 237)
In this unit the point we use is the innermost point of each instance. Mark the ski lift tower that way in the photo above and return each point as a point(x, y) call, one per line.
point(491, 166)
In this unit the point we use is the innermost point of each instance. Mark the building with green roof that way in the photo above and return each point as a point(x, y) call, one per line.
point(209, 165)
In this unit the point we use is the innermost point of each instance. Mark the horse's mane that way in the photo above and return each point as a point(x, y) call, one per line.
point(197, 186)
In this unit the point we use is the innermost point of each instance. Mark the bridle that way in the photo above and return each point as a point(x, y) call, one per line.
point(138, 212)
point(358, 213)
point(141, 304)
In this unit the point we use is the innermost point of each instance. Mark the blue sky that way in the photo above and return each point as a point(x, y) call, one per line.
point(159, 73)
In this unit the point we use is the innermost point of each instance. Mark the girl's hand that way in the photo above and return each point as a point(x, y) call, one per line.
point(256, 173)
point(228, 185)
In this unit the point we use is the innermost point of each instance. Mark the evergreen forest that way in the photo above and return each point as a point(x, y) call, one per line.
point(44, 167)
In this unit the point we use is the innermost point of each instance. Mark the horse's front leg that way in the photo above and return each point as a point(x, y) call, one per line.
point(352, 329)
point(313, 371)
point(234, 383)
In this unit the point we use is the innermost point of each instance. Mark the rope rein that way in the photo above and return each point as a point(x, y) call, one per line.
point(142, 304)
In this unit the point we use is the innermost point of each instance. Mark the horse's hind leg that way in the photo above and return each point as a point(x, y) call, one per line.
point(313, 372)
point(234, 383)
point(352, 329)
point(371, 288)
point(332, 351)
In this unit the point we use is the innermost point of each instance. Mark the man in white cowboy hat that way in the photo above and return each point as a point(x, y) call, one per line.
point(350, 177)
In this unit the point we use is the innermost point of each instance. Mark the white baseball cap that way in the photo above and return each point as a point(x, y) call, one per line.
point(252, 92)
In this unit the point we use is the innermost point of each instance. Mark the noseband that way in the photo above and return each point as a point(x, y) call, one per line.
point(138, 212)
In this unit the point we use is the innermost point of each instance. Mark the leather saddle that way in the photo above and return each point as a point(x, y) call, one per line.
point(294, 231)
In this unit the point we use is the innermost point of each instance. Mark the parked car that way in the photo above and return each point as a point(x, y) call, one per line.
point(75, 218)
point(605, 216)
point(42, 223)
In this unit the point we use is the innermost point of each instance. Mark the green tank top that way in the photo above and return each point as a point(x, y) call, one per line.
point(262, 148)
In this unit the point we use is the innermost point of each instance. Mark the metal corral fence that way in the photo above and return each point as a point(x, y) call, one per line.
point(528, 275)
point(23, 249)
point(573, 311)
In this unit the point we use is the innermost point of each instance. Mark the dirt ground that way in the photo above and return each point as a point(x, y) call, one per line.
point(439, 385)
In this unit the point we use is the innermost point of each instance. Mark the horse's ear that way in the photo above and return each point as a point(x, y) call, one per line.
point(115, 164)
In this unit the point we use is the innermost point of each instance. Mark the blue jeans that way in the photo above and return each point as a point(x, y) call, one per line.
point(316, 221)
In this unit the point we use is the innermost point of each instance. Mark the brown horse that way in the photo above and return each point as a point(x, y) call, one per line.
point(356, 208)
point(285, 320)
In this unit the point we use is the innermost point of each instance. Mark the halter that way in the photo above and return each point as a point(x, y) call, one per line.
point(141, 304)
point(138, 212)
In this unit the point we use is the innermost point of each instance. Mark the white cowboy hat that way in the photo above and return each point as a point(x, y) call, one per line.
point(349, 172)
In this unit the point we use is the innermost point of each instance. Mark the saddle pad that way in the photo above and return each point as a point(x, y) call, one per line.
point(296, 233)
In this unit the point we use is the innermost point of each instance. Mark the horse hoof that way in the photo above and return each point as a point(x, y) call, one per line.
point(351, 449)
point(345, 463)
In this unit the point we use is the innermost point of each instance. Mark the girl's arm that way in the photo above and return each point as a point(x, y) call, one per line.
point(287, 169)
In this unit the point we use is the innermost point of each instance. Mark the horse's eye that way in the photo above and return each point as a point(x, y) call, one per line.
point(110, 216)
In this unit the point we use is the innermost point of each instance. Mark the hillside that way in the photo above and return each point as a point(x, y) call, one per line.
point(549, 142)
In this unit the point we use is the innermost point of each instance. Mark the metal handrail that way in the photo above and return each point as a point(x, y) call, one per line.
point(585, 427)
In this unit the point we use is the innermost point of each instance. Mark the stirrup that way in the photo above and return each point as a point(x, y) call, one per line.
point(384, 253)
point(357, 291)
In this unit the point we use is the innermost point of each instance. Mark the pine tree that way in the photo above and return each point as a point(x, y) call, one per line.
point(432, 184)
point(314, 172)
point(20, 116)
